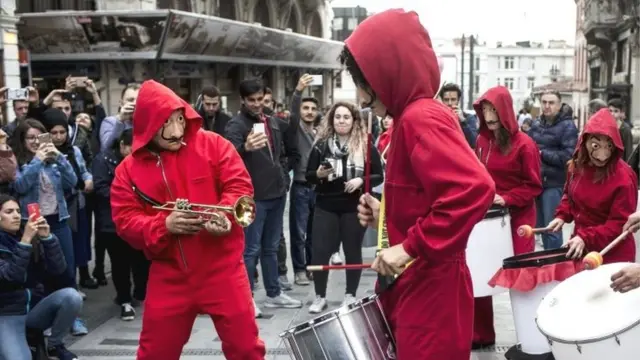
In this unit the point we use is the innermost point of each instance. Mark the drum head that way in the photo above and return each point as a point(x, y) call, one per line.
point(584, 308)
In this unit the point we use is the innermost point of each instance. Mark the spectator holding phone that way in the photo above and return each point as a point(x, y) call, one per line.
point(43, 176)
point(336, 166)
point(29, 259)
point(112, 127)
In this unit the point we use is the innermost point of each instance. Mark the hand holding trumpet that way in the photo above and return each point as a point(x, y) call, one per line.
point(182, 223)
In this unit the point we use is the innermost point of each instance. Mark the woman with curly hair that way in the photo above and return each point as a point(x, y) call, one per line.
point(336, 167)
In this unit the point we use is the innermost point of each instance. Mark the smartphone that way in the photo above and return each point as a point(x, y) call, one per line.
point(317, 80)
point(80, 81)
point(17, 94)
point(258, 128)
point(33, 208)
point(45, 138)
point(326, 164)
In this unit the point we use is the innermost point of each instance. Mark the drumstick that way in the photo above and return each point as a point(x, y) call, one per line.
point(338, 267)
point(594, 259)
point(528, 231)
point(367, 162)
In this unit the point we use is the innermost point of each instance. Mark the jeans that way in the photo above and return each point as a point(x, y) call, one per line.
point(282, 255)
point(125, 263)
point(301, 202)
point(546, 205)
point(63, 232)
point(56, 311)
point(262, 238)
point(82, 240)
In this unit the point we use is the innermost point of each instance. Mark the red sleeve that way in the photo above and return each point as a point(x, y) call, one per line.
point(463, 191)
point(624, 204)
point(531, 182)
point(563, 211)
point(233, 178)
point(133, 224)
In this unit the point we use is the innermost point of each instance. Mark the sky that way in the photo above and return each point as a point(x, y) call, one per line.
point(492, 20)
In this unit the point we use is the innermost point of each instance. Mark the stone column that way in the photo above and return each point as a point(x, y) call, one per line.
point(9, 46)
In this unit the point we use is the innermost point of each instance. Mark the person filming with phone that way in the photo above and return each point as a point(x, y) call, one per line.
point(28, 259)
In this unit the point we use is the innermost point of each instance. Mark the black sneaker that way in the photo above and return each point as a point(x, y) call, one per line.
point(60, 352)
point(127, 313)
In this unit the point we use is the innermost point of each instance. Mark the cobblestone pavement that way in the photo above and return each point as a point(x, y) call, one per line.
point(112, 339)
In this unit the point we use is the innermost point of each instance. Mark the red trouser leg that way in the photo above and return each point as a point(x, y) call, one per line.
point(165, 329)
point(234, 318)
point(483, 330)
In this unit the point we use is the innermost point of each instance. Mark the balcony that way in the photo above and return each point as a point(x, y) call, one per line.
point(600, 20)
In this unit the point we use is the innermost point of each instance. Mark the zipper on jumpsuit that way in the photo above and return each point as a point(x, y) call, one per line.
point(166, 184)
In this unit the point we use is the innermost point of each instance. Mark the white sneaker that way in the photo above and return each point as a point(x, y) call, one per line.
point(319, 304)
point(283, 301)
point(258, 312)
point(336, 259)
point(127, 313)
point(348, 299)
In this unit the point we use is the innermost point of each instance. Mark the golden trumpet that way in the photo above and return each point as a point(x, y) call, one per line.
point(243, 210)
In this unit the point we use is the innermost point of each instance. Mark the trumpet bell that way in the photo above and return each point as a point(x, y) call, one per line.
point(244, 211)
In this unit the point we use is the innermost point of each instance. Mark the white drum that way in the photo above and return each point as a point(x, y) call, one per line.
point(583, 319)
point(489, 243)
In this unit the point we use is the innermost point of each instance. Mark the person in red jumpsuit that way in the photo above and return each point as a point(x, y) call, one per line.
point(600, 193)
point(435, 188)
point(196, 265)
point(513, 161)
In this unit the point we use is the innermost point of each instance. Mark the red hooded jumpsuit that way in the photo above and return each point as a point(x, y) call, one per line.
point(435, 189)
point(189, 275)
point(517, 177)
point(599, 208)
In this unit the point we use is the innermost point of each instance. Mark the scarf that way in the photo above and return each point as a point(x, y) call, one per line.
point(355, 160)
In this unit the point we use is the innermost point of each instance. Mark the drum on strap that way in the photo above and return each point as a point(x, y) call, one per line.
point(529, 278)
point(489, 243)
point(358, 331)
point(583, 318)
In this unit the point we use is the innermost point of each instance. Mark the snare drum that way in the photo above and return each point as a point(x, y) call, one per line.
point(489, 243)
point(584, 319)
point(358, 331)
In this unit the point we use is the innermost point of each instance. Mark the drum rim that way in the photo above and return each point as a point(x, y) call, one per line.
point(496, 211)
point(521, 261)
point(589, 340)
point(343, 310)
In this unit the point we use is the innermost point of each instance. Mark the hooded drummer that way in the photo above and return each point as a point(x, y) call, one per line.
point(600, 193)
point(435, 189)
point(513, 161)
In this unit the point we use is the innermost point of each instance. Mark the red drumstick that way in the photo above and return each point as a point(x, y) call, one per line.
point(338, 267)
point(367, 161)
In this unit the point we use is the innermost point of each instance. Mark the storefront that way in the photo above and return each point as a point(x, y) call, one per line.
point(186, 51)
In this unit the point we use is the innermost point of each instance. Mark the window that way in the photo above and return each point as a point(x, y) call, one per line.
point(477, 64)
point(498, 81)
point(508, 83)
point(621, 56)
point(532, 63)
point(339, 80)
point(531, 83)
point(352, 23)
point(338, 23)
point(476, 84)
point(509, 62)
point(499, 64)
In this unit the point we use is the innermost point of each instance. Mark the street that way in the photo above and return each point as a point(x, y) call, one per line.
point(113, 339)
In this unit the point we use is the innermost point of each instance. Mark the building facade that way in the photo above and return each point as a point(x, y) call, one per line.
point(520, 67)
point(343, 22)
point(186, 44)
point(611, 30)
point(581, 69)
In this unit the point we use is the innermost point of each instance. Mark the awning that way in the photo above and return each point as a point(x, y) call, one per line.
point(168, 35)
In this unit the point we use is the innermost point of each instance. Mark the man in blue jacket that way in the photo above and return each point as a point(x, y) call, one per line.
point(556, 136)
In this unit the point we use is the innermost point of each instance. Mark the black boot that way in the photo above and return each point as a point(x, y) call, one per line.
point(86, 281)
point(98, 274)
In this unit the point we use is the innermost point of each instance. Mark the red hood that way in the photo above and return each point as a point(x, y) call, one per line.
point(394, 52)
point(500, 98)
point(155, 104)
point(603, 123)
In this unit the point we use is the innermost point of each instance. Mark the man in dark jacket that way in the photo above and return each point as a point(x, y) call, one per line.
point(616, 107)
point(556, 136)
point(208, 107)
point(258, 139)
point(450, 96)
